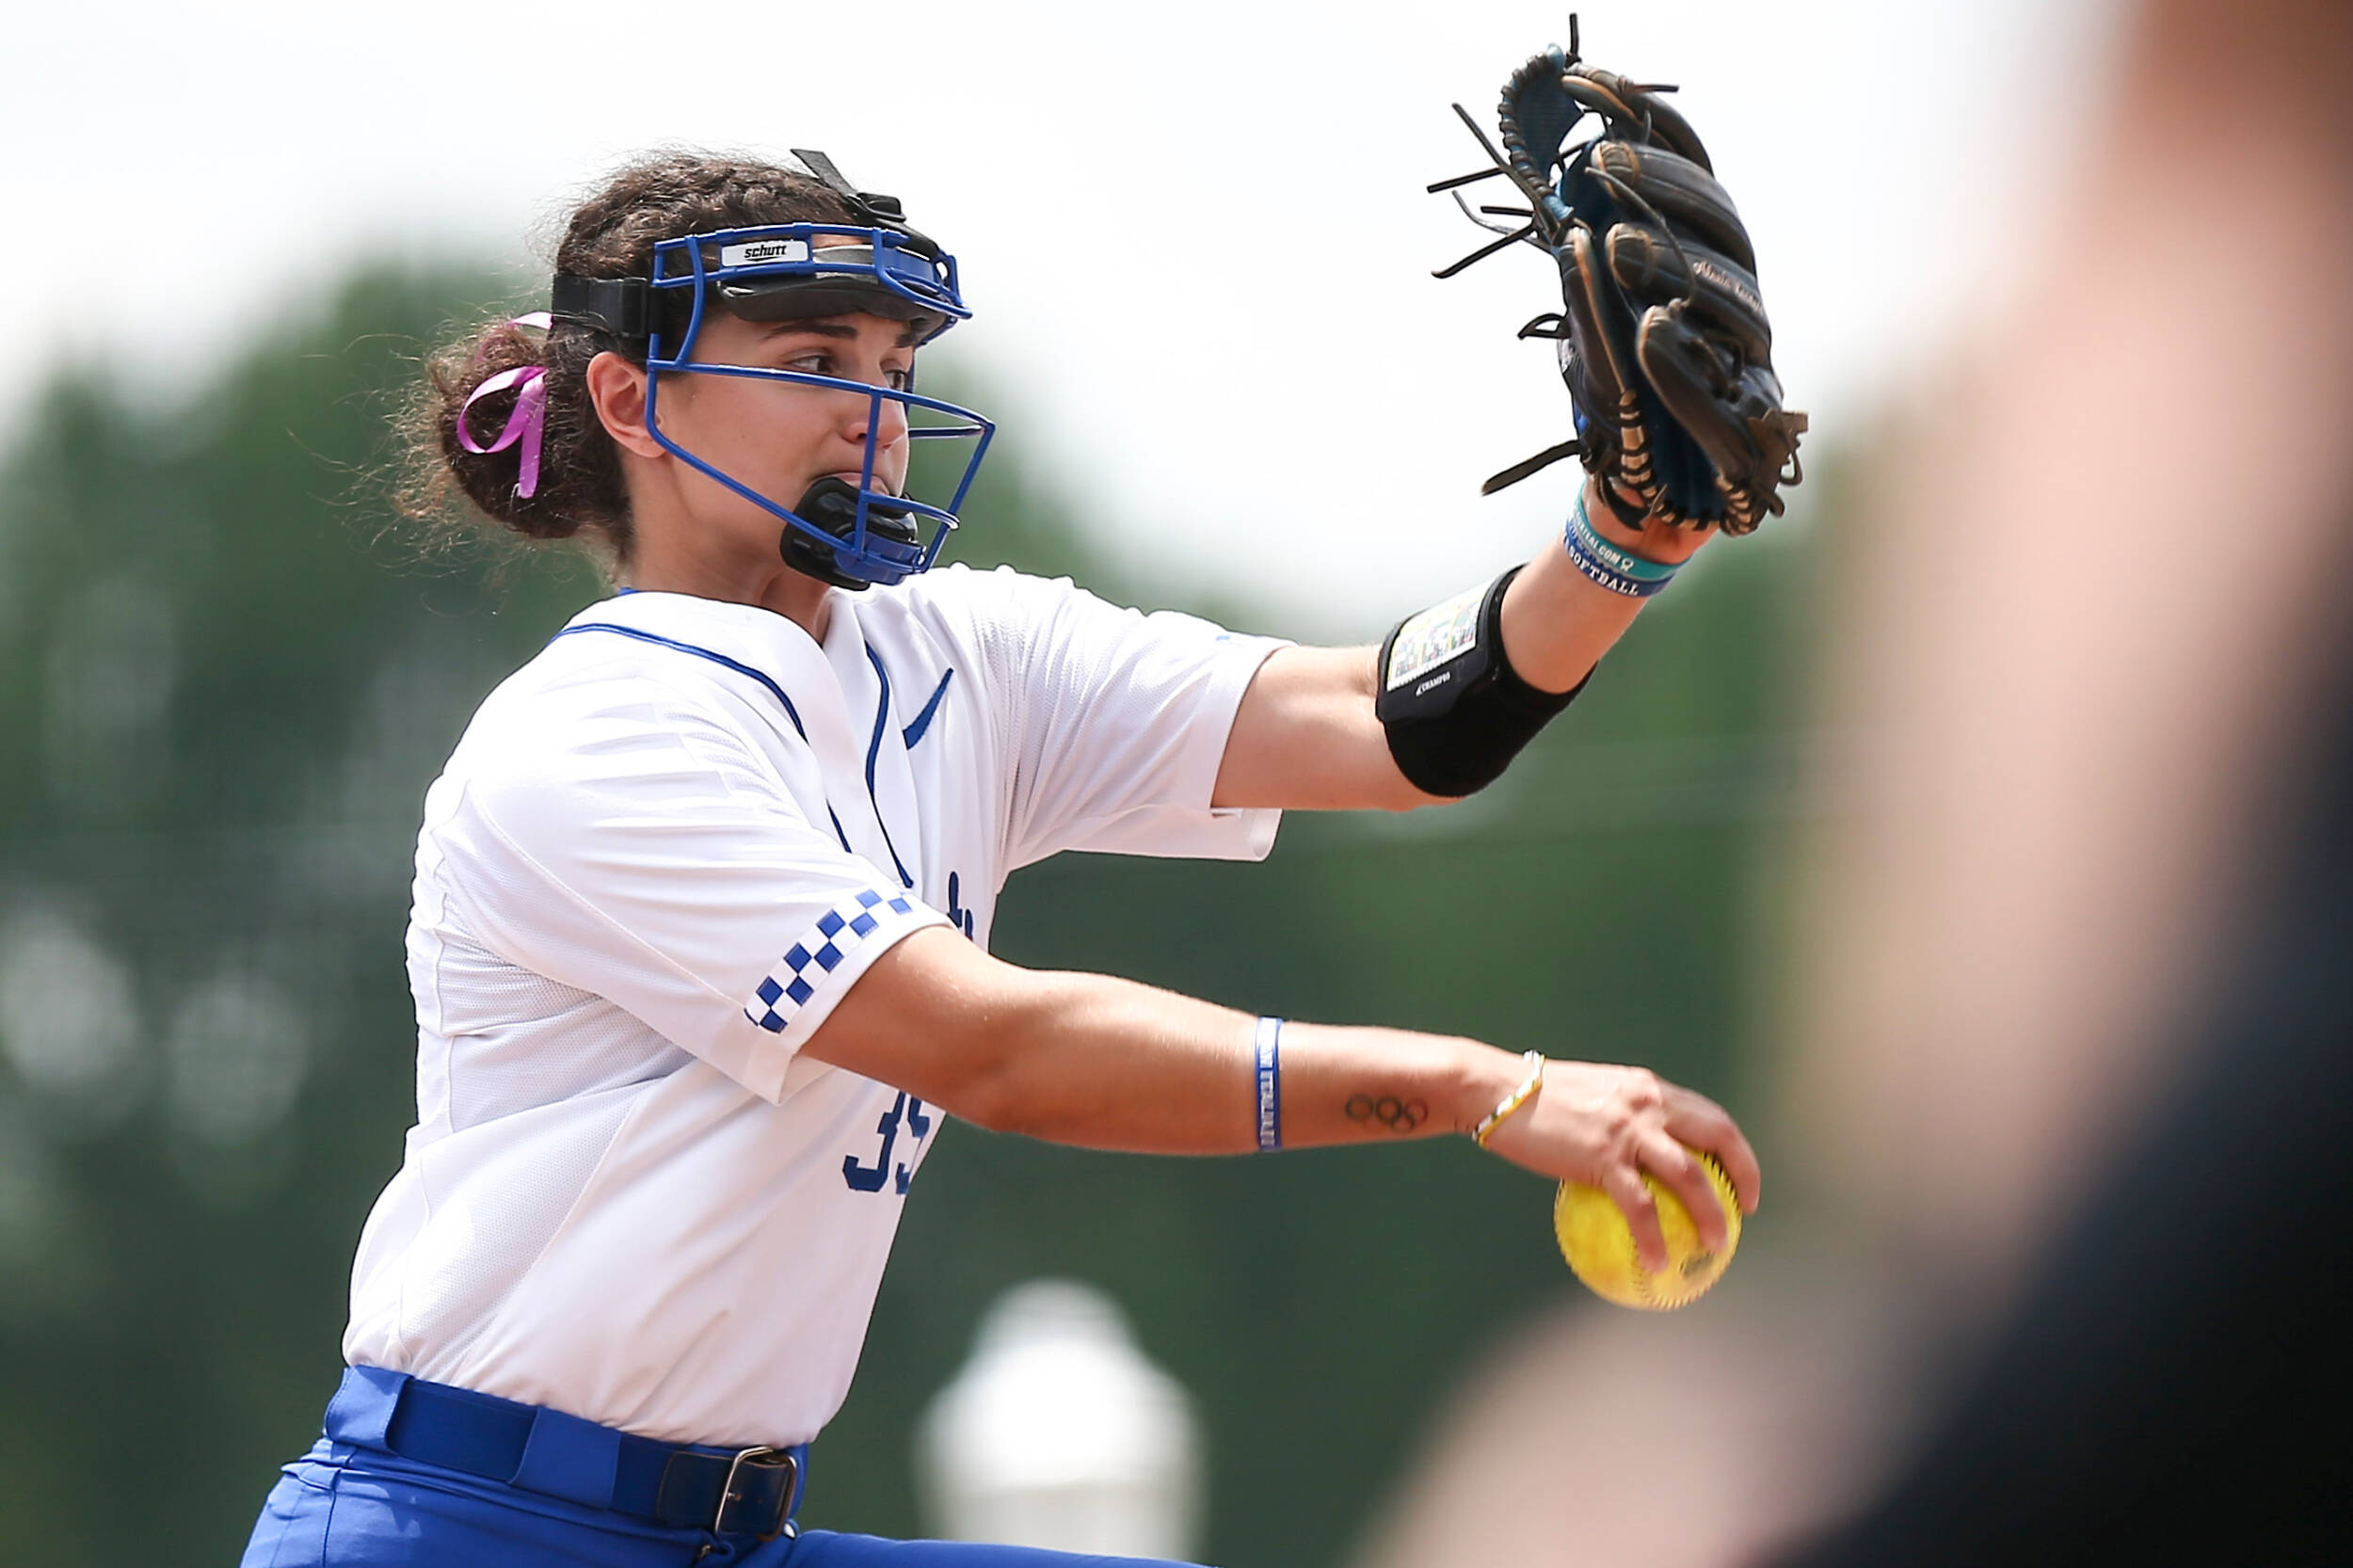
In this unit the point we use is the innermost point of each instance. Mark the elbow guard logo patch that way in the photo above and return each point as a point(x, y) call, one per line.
point(1454, 710)
point(1420, 647)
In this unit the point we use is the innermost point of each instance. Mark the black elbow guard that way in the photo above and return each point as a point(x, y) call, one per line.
point(1455, 710)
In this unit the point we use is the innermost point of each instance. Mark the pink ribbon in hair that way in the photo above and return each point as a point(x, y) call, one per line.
point(528, 421)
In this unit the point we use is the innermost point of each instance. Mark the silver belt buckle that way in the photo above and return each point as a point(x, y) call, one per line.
point(758, 1459)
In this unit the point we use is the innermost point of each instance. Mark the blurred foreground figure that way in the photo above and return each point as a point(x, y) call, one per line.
point(2082, 985)
point(2169, 1390)
point(2165, 771)
point(2172, 1389)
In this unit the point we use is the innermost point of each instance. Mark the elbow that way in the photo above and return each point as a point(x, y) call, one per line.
point(937, 1017)
point(982, 1068)
point(1399, 780)
point(970, 1078)
point(1393, 792)
point(1404, 796)
point(985, 1041)
point(1426, 775)
point(1016, 1089)
point(1009, 1099)
point(987, 1101)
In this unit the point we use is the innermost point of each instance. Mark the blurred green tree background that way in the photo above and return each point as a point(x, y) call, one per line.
point(224, 686)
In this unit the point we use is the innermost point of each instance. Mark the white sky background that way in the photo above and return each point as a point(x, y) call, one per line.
point(1195, 236)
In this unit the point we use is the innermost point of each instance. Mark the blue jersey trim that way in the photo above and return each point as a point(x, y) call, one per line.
point(720, 659)
point(873, 751)
point(922, 724)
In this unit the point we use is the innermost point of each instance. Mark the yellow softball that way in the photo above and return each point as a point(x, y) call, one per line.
point(1599, 1245)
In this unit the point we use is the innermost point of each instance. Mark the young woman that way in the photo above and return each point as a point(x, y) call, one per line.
point(699, 944)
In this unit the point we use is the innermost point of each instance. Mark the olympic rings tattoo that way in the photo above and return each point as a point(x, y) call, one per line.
point(1395, 1114)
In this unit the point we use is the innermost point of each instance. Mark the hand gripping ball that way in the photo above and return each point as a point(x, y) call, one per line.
point(1599, 1245)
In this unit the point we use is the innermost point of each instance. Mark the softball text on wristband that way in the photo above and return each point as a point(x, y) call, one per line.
point(1613, 566)
point(1267, 1049)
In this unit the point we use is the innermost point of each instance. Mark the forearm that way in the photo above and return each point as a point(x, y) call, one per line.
point(1112, 1064)
point(1307, 736)
point(1558, 622)
point(1109, 1063)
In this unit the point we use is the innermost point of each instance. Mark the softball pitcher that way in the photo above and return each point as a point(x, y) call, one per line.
point(699, 944)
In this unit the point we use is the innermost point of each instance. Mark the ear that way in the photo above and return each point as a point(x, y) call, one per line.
point(617, 389)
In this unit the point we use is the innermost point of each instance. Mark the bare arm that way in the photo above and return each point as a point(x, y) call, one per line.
point(1305, 738)
point(1109, 1063)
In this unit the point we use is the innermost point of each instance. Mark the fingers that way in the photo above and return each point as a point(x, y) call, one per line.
point(1622, 103)
point(1696, 1120)
point(1607, 1125)
point(1680, 193)
point(1657, 269)
point(1625, 1189)
point(1687, 1178)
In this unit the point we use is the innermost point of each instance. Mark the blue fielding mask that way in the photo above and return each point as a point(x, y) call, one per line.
point(850, 535)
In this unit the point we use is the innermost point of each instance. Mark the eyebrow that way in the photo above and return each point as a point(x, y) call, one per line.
point(830, 326)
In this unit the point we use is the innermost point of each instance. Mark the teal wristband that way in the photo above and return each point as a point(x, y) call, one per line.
point(1616, 557)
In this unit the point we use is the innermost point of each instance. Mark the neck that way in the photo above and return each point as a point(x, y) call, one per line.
point(771, 584)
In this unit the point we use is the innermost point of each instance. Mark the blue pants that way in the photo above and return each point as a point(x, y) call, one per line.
point(347, 1505)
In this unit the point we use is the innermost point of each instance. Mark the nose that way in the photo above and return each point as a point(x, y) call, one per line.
point(892, 412)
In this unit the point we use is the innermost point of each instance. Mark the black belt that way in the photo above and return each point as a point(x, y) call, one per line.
point(749, 1491)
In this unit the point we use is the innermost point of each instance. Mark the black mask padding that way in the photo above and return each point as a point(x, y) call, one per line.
point(829, 294)
point(831, 504)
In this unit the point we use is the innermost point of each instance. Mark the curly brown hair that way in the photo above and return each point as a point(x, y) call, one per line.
point(452, 491)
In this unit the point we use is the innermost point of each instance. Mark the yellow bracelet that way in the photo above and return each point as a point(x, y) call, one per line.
point(1513, 1101)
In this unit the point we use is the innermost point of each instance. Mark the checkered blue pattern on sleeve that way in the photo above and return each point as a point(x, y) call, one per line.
point(839, 933)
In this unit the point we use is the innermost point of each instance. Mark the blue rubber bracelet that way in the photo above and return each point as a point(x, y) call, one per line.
point(1269, 1050)
point(1600, 571)
point(1617, 558)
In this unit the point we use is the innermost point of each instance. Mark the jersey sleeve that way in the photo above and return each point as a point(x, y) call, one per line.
point(1112, 722)
point(653, 858)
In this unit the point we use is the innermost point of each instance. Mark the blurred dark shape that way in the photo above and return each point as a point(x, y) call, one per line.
point(2168, 1387)
point(2172, 1389)
point(2086, 618)
point(2082, 622)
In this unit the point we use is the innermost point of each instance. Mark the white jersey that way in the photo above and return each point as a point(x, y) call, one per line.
point(663, 851)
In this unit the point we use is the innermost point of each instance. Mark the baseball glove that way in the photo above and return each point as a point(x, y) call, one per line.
point(1663, 338)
